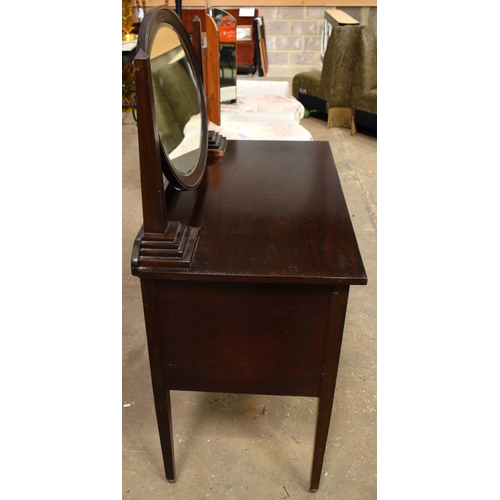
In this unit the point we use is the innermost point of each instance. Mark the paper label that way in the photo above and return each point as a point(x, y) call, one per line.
point(247, 12)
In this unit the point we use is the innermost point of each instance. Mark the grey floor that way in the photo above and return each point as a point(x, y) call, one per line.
point(258, 447)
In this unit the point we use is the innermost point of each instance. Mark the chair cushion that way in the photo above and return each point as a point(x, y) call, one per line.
point(371, 95)
point(307, 83)
point(367, 102)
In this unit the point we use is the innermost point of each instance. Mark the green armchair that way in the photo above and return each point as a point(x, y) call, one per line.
point(348, 81)
point(330, 90)
point(364, 89)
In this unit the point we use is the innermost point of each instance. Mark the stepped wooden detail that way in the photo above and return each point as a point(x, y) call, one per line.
point(216, 143)
point(172, 249)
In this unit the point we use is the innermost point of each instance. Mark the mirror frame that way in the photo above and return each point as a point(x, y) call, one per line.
point(150, 25)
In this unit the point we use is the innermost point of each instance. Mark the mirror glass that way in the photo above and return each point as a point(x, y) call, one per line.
point(227, 47)
point(177, 103)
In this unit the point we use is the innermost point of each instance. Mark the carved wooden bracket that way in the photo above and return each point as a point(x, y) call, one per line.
point(173, 249)
point(216, 143)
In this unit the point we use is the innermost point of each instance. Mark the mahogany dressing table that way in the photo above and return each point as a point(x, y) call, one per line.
point(245, 260)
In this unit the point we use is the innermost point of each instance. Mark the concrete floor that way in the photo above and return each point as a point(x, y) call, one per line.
point(258, 447)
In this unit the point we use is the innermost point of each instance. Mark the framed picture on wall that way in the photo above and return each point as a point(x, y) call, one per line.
point(244, 33)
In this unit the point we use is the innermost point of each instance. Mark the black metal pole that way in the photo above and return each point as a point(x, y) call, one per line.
point(178, 7)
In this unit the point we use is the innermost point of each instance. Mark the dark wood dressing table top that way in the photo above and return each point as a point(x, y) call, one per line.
point(269, 212)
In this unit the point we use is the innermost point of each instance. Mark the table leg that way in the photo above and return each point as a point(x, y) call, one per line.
point(156, 363)
point(164, 419)
point(333, 344)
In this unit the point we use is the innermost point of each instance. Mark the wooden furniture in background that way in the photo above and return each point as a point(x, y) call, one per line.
point(196, 39)
point(261, 47)
point(212, 75)
point(246, 50)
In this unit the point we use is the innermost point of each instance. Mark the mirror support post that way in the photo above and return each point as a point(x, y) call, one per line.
point(154, 205)
point(161, 243)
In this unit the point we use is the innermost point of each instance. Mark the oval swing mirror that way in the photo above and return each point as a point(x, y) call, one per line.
point(178, 98)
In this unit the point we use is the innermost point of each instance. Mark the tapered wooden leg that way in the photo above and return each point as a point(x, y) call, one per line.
point(156, 364)
point(333, 344)
point(164, 419)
